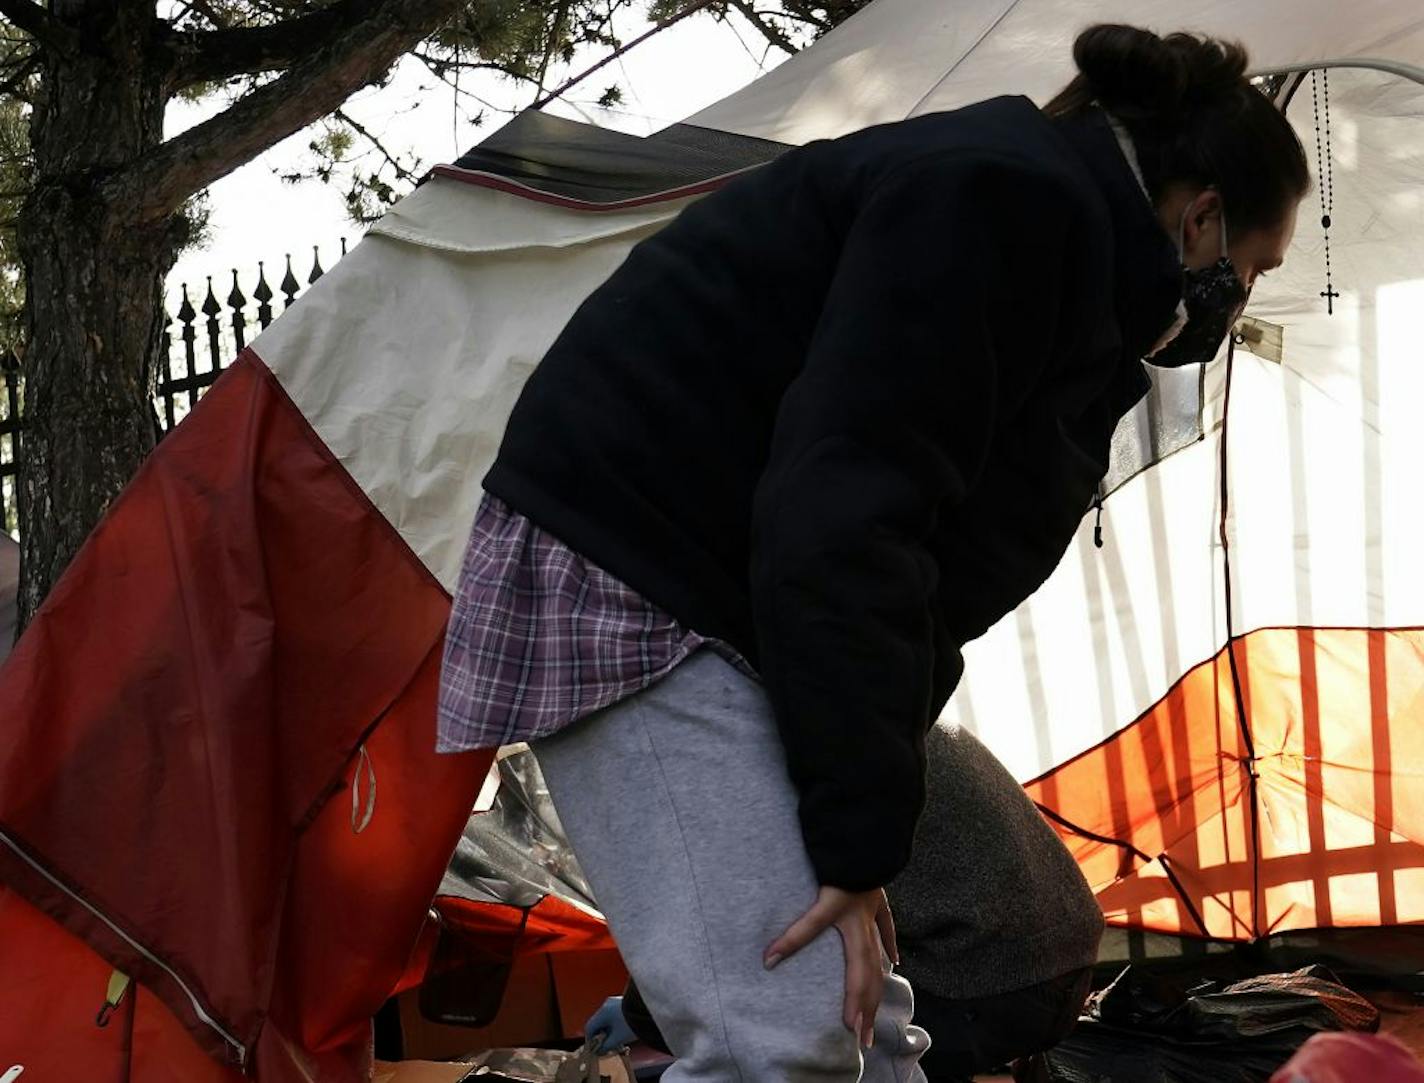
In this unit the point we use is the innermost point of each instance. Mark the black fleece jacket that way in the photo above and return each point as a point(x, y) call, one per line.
point(845, 413)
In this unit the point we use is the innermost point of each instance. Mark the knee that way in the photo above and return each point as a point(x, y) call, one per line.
point(825, 1052)
point(794, 1048)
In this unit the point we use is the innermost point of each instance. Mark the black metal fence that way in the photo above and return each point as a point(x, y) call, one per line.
point(198, 343)
point(10, 402)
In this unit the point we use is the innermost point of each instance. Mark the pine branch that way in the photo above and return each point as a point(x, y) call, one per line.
point(214, 55)
point(439, 65)
point(207, 11)
point(467, 93)
point(551, 45)
point(402, 173)
point(11, 86)
point(40, 25)
point(820, 25)
point(14, 84)
point(767, 29)
point(658, 28)
point(360, 50)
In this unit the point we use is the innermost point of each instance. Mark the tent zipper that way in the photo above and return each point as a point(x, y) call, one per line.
point(198, 1009)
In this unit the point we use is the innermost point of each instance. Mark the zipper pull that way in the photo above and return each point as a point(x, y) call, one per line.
point(365, 771)
point(118, 986)
point(1098, 521)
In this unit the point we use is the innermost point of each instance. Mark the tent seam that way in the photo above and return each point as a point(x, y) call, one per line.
point(962, 58)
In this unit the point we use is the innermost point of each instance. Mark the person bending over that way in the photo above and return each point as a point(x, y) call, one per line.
point(808, 440)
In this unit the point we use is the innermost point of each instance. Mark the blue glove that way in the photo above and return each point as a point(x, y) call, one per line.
point(609, 1026)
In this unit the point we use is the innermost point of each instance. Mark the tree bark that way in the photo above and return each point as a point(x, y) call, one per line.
point(94, 297)
point(100, 230)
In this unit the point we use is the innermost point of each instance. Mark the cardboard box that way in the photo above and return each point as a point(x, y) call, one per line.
point(583, 980)
point(419, 1071)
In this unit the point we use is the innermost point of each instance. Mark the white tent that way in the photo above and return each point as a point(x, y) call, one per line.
point(1322, 526)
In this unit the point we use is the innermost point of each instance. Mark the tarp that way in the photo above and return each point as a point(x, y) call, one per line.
point(1144, 1029)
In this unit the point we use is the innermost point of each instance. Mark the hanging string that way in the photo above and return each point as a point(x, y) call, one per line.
point(1325, 174)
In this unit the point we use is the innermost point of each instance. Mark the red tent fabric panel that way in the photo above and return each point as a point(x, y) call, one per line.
point(1183, 827)
point(191, 696)
point(52, 986)
point(359, 901)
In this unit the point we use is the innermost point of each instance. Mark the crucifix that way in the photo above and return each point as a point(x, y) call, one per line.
point(1325, 175)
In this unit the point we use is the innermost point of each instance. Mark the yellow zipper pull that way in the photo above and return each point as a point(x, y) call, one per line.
point(118, 986)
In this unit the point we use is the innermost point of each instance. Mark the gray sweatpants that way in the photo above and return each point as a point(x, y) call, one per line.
point(678, 805)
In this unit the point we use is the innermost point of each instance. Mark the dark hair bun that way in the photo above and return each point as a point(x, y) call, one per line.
point(1136, 74)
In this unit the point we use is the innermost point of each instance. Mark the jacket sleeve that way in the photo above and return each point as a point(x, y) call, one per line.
point(884, 429)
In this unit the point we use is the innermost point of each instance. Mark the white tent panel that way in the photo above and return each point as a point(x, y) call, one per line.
point(408, 355)
point(899, 58)
point(1112, 630)
point(1326, 522)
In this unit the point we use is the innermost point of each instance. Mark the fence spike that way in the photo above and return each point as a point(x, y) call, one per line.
point(186, 313)
point(290, 285)
point(211, 309)
point(210, 303)
point(236, 301)
point(263, 294)
point(316, 271)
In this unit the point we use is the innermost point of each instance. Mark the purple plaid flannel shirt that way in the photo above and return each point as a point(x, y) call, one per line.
point(540, 637)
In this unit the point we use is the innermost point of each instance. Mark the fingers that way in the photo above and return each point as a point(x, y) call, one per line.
point(865, 978)
point(803, 930)
point(885, 923)
point(865, 926)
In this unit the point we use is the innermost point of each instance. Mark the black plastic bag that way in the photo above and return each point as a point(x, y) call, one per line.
point(1147, 1029)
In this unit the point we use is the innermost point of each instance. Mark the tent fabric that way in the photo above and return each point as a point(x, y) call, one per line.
point(594, 166)
point(1219, 707)
point(434, 345)
point(1321, 524)
point(1323, 826)
point(54, 988)
point(1307, 816)
point(242, 638)
point(900, 58)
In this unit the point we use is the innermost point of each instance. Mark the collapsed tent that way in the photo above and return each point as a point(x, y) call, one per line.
point(221, 818)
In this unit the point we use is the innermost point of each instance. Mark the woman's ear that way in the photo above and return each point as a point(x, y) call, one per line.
point(1201, 229)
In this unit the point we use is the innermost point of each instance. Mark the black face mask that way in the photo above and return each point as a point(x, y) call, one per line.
point(1214, 298)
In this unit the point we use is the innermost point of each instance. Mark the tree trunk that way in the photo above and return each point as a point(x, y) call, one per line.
point(94, 293)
